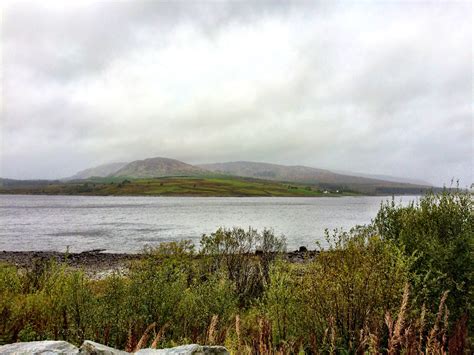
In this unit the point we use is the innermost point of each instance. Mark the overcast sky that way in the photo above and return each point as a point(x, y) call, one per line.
point(377, 87)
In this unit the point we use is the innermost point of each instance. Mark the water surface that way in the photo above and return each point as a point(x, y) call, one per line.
point(127, 224)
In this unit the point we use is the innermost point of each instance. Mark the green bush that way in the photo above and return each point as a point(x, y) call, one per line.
point(235, 252)
point(439, 230)
point(346, 288)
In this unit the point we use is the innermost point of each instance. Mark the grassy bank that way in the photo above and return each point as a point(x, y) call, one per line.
point(173, 186)
point(401, 284)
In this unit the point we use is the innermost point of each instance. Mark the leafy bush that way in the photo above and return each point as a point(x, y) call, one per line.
point(439, 230)
point(346, 288)
point(234, 251)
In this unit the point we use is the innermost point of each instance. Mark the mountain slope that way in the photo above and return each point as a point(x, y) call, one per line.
point(158, 167)
point(283, 172)
point(98, 171)
point(306, 175)
point(303, 175)
point(385, 177)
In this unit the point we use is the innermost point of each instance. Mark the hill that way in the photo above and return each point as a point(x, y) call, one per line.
point(307, 175)
point(98, 171)
point(158, 167)
point(241, 173)
point(385, 177)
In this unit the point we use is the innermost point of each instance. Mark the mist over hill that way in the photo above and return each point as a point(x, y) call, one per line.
point(324, 179)
point(157, 167)
point(386, 177)
point(307, 175)
point(98, 171)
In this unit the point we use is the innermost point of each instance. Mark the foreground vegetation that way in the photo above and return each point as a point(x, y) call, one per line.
point(401, 284)
point(172, 186)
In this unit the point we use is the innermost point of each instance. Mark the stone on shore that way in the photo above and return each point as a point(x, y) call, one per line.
point(48, 347)
point(93, 348)
point(191, 349)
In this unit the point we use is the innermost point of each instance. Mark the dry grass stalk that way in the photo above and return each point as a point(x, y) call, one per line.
point(237, 329)
point(368, 342)
point(444, 331)
point(401, 315)
point(363, 340)
point(389, 323)
point(314, 344)
point(374, 344)
point(332, 349)
point(212, 329)
point(433, 346)
point(261, 342)
point(144, 339)
point(421, 326)
point(395, 330)
point(158, 337)
point(409, 343)
point(457, 341)
point(265, 343)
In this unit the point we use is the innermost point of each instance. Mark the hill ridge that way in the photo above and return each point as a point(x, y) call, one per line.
point(157, 167)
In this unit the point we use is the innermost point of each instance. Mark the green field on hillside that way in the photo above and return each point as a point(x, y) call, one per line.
point(173, 186)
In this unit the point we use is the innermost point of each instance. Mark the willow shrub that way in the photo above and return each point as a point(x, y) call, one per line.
point(56, 305)
point(439, 230)
point(325, 304)
point(233, 251)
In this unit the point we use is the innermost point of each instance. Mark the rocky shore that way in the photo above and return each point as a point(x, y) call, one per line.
point(99, 263)
point(97, 259)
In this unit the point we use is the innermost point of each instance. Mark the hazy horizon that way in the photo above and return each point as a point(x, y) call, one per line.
point(376, 88)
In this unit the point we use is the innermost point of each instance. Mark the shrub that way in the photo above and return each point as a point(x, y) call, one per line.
point(439, 229)
point(234, 251)
point(346, 288)
point(283, 303)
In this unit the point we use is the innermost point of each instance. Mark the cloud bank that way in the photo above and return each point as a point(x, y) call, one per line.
point(374, 87)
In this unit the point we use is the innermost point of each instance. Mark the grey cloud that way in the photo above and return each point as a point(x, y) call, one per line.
point(375, 87)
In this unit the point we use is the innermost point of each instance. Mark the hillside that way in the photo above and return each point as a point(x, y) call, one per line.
point(306, 175)
point(390, 178)
point(240, 171)
point(158, 167)
point(98, 171)
point(168, 186)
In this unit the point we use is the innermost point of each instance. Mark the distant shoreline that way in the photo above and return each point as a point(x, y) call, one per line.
point(203, 187)
point(216, 196)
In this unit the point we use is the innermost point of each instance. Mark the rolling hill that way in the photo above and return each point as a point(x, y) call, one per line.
point(140, 176)
point(98, 171)
point(158, 167)
point(385, 177)
point(312, 176)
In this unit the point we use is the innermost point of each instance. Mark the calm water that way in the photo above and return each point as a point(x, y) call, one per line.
point(126, 224)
